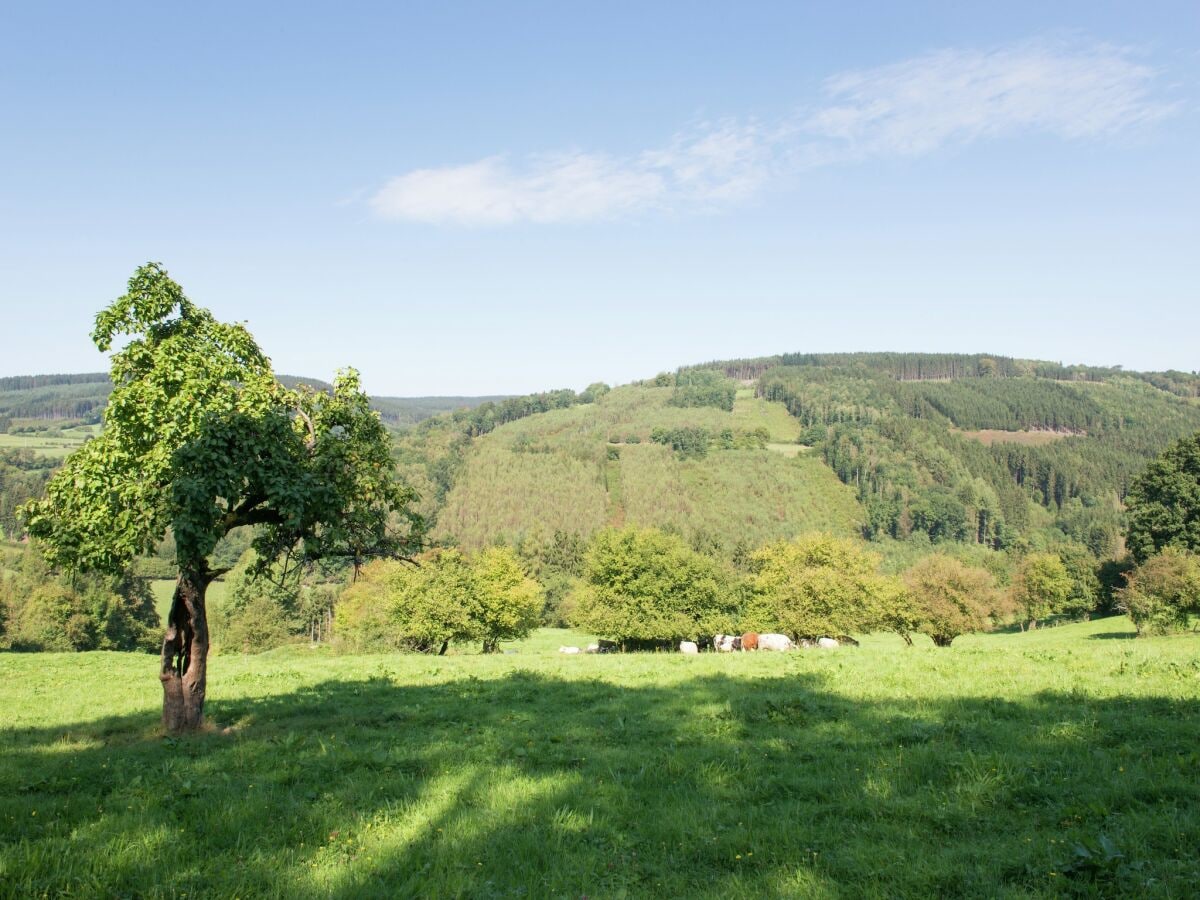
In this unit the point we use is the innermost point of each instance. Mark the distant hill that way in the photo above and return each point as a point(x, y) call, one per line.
point(81, 398)
point(962, 450)
point(970, 452)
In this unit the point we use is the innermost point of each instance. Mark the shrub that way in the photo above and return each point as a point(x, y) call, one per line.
point(88, 612)
point(703, 387)
point(644, 585)
point(1163, 592)
point(445, 598)
point(507, 605)
point(948, 598)
point(1042, 587)
point(817, 586)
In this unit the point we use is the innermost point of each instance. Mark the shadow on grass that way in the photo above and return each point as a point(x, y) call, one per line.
point(1114, 636)
point(534, 786)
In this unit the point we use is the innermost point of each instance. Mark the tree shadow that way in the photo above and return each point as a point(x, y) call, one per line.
point(530, 785)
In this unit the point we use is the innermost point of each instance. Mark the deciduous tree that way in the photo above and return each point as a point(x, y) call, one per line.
point(949, 598)
point(1164, 502)
point(200, 437)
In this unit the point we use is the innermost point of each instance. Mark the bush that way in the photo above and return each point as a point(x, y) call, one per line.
point(53, 613)
point(507, 605)
point(704, 387)
point(252, 626)
point(948, 598)
point(445, 598)
point(818, 586)
point(644, 585)
point(1163, 592)
point(1042, 587)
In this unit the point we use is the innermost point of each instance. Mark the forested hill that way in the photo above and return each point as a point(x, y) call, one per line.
point(950, 366)
point(983, 453)
point(80, 398)
point(982, 448)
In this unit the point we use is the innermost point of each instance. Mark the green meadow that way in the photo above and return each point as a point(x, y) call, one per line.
point(1058, 762)
point(55, 444)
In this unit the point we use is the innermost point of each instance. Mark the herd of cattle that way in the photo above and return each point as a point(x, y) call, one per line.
point(722, 643)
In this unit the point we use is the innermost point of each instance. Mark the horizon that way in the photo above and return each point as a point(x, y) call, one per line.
point(705, 363)
point(464, 200)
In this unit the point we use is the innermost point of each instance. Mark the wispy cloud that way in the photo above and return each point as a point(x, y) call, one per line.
point(950, 97)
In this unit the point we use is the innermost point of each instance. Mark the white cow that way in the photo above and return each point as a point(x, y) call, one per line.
point(568, 649)
point(827, 643)
point(726, 643)
point(775, 642)
point(688, 647)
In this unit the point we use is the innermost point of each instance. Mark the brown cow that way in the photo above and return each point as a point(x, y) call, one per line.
point(750, 640)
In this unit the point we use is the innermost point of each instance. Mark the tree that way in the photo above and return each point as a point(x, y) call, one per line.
point(816, 586)
point(641, 585)
point(1042, 586)
point(86, 612)
point(1163, 592)
point(200, 437)
point(444, 597)
point(949, 598)
point(1164, 502)
point(508, 603)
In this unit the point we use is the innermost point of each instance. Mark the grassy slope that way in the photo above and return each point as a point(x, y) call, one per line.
point(56, 446)
point(874, 771)
point(550, 472)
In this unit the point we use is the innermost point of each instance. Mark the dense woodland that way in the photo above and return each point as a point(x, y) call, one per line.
point(986, 462)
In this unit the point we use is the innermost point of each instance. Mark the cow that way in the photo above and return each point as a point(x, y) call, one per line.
point(688, 648)
point(827, 643)
point(723, 643)
point(774, 642)
point(568, 649)
point(750, 641)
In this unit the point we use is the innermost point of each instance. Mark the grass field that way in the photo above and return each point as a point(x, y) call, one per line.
point(1053, 763)
point(55, 446)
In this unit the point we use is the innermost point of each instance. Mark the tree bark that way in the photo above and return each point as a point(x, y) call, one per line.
point(185, 653)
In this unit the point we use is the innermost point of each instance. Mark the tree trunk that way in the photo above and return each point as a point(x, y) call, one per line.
point(185, 653)
point(442, 652)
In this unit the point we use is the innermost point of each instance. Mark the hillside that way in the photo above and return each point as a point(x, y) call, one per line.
point(960, 450)
point(578, 469)
point(46, 399)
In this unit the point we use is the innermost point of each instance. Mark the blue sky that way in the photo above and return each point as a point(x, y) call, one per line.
point(500, 198)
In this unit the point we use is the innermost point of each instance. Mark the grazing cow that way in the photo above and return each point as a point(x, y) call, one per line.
point(750, 641)
point(727, 643)
point(568, 649)
point(608, 646)
point(688, 647)
point(592, 648)
point(774, 642)
point(827, 643)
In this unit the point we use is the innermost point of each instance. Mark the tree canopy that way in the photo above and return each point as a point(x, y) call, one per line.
point(1164, 501)
point(199, 437)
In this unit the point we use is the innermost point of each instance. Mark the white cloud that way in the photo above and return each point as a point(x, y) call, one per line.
point(716, 163)
point(1074, 91)
point(958, 96)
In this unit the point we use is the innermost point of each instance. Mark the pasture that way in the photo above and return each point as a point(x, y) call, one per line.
point(55, 444)
point(1057, 762)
